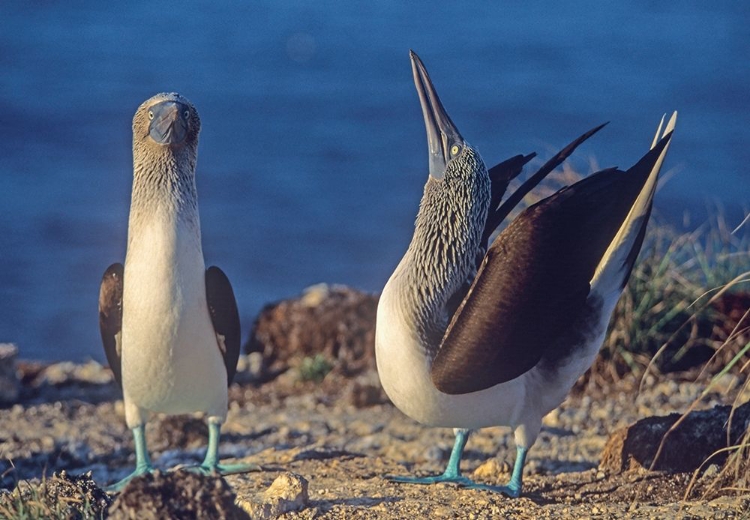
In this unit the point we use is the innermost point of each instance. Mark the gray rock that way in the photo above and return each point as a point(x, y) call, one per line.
point(9, 383)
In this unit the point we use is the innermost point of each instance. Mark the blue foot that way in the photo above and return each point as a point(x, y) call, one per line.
point(210, 464)
point(452, 473)
point(142, 461)
point(223, 469)
point(513, 489)
point(139, 470)
point(510, 490)
point(435, 479)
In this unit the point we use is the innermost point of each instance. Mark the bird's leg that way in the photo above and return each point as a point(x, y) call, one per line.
point(210, 464)
point(142, 460)
point(513, 489)
point(452, 471)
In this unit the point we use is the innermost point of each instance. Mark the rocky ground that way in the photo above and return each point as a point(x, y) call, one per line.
point(338, 438)
point(307, 408)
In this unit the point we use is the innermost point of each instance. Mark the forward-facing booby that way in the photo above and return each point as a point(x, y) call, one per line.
point(468, 336)
point(170, 327)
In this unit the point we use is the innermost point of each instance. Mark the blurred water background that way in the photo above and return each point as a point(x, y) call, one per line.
point(313, 152)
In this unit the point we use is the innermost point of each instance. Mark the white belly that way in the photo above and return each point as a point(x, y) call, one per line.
point(405, 375)
point(404, 372)
point(171, 361)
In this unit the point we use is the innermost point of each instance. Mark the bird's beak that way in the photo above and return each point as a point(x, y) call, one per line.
point(442, 134)
point(169, 123)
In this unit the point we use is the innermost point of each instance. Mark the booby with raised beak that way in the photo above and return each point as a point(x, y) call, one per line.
point(469, 335)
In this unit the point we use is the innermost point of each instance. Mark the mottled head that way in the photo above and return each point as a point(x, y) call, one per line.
point(166, 123)
point(449, 153)
point(165, 152)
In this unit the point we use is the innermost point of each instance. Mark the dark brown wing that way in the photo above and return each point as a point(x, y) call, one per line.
point(500, 176)
point(224, 315)
point(497, 213)
point(534, 280)
point(110, 316)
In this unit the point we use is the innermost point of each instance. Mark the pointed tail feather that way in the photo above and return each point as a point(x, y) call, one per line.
point(613, 271)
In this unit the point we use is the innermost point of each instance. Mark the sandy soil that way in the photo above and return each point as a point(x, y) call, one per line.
point(343, 438)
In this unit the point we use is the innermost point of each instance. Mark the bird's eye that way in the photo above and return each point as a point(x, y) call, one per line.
point(186, 113)
point(454, 150)
point(150, 114)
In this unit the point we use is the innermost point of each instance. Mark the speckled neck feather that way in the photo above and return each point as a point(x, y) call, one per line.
point(442, 253)
point(164, 176)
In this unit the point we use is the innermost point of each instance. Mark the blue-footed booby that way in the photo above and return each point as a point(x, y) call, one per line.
point(470, 336)
point(170, 327)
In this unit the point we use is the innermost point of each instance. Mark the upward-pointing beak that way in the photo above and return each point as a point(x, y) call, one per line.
point(168, 124)
point(442, 134)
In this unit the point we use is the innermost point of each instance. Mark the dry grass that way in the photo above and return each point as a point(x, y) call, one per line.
point(666, 320)
point(32, 501)
point(673, 309)
point(61, 496)
point(734, 476)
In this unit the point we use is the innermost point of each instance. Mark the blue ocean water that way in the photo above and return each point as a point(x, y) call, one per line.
point(313, 152)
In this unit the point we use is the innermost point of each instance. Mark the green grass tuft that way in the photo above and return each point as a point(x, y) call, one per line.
point(61, 496)
point(35, 500)
point(665, 317)
point(314, 368)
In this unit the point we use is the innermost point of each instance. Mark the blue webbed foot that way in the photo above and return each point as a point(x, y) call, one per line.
point(223, 469)
point(452, 472)
point(142, 461)
point(139, 470)
point(513, 489)
point(509, 491)
point(211, 465)
point(434, 479)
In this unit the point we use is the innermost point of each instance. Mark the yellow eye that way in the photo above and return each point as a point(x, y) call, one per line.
point(454, 150)
point(150, 114)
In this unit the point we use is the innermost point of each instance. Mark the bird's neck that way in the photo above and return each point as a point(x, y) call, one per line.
point(442, 254)
point(164, 192)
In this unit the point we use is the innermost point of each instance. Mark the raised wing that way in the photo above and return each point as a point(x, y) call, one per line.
point(110, 317)
point(501, 175)
point(497, 212)
point(535, 279)
point(226, 320)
